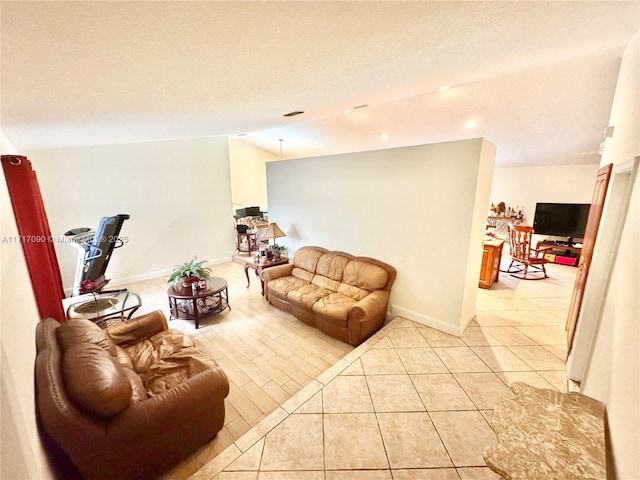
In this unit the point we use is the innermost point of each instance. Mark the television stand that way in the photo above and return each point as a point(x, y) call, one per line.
point(561, 253)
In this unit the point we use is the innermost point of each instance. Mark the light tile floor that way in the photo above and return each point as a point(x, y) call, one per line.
point(412, 402)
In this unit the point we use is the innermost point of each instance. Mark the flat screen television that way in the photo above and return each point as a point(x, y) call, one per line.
point(561, 219)
point(252, 211)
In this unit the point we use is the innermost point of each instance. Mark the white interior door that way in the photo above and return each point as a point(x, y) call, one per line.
point(604, 258)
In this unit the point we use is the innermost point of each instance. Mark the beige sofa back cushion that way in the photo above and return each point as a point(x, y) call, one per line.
point(307, 259)
point(326, 282)
point(332, 266)
point(339, 273)
point(303, 274)
point(365, 275)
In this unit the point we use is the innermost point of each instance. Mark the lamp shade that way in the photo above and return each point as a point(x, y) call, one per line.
point(273, 231)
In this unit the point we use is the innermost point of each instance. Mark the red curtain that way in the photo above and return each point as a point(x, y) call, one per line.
point(34, 235)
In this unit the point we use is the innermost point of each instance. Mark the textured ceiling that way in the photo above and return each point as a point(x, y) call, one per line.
point(536, 77)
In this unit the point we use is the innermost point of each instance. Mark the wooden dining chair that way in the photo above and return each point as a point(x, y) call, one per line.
point(524, 256)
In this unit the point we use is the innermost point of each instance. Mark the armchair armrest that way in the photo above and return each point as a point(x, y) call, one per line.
point(138, 328)
point(272, 273)
point(173, 407)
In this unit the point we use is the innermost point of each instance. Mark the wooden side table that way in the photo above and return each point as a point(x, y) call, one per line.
point(260, 266)
point(491, 256)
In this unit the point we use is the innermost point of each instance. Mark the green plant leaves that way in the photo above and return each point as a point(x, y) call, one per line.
point(190, 269)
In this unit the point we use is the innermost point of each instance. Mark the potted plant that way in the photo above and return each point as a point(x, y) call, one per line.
point(276, 250)
point(189, 272)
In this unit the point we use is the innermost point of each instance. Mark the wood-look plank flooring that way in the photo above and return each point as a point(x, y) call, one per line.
point(268, 355)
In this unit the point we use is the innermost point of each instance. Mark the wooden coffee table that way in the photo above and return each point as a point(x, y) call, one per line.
point(188, 305)
point(260, 266)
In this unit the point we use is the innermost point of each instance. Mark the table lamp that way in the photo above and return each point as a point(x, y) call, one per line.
point(273, 232)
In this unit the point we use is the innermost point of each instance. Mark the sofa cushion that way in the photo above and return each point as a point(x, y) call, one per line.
point(365, 275)
point(147, 352)
point(137, 329)
point(325, 282)
point(302, 274)
point(283, 285)
point(122, 357)
point(81, 330)
point(167, 359)
point(94, 380)
point(334, 306)
point(307, 295)
point(138, 390)
point(307, 259)
point(356, 293)
point(171, 371)
point(332, 266)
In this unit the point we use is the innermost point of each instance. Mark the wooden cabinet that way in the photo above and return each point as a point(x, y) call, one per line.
point(491, 255)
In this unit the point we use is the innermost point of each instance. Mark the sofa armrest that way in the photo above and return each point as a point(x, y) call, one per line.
point(370, 306)
point(367, 316)
point(272, 273)
point(139, 328)
point(173, 408)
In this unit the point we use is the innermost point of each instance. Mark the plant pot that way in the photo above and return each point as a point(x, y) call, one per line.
point(187, 281)
point(269, 255)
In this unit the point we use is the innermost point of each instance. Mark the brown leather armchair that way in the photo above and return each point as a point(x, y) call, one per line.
point(128, 402)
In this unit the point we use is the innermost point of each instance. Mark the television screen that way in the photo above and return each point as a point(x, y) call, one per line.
point(253, 211)
point(561, 219)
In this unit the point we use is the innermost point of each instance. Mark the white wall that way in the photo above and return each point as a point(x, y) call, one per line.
point(177, 192)
point(412, 207)
point(613, 374)
point(248, 174)
point(526, 186)
point(21, 454)
point(483, 189)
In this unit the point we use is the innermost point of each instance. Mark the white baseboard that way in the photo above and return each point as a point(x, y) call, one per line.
point(136, 278)
point(147, 276)
point(573, 386)
point(428, 321)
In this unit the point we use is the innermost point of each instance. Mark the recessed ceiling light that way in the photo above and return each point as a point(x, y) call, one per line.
point(384, 136)
point(293, 114)
point(471, 124)
point(443, 88)
point(347, 112)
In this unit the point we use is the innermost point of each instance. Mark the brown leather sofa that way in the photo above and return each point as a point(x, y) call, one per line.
point(128, 402)
point(342, 295)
